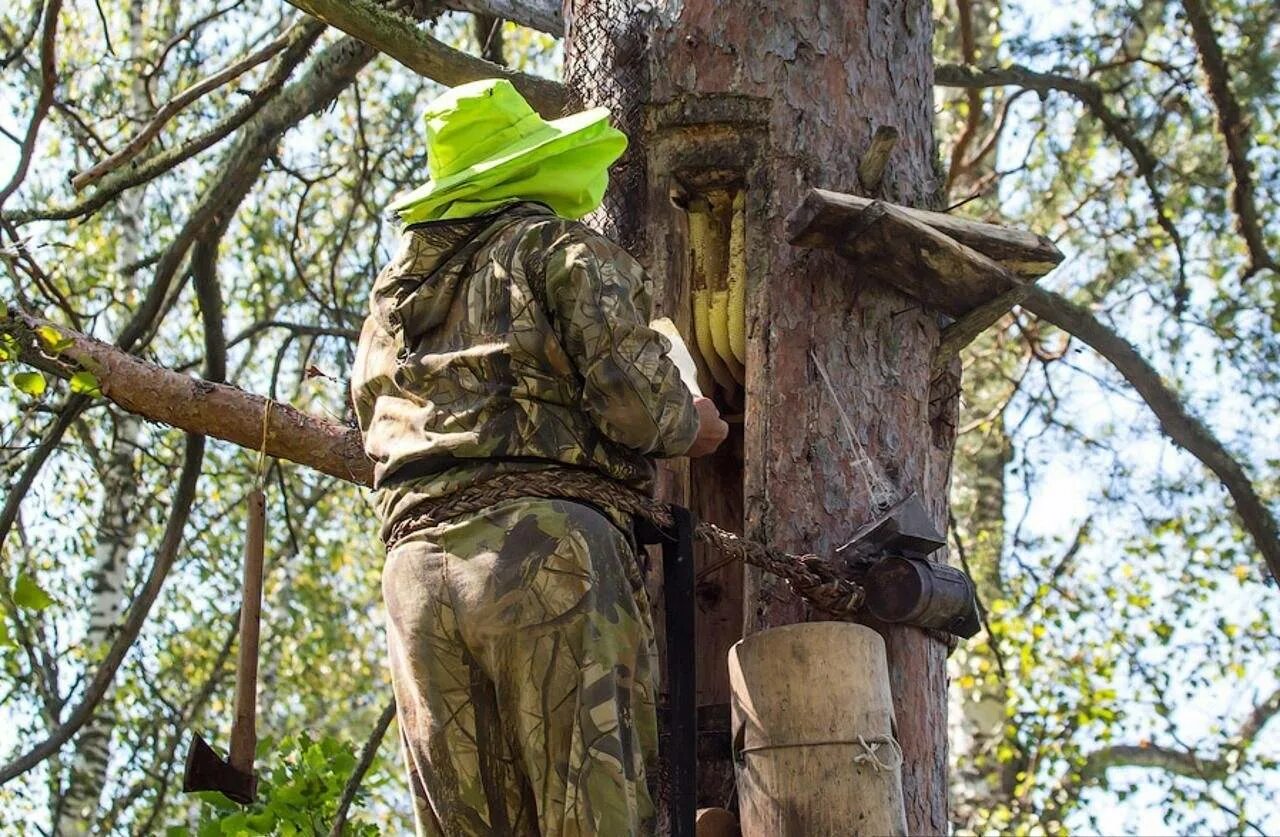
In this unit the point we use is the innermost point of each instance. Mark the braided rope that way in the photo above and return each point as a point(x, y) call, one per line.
point(808, 575)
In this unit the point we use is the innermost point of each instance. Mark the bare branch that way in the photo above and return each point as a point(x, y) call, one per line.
point(367, 754)
point(1091, 95)
point(175, 106)
point(198, 406)
point(1184, 429)
point(204, 275)
point(543, 15)
point(1171, 760)
point(48, 79)
point(18, 490)
point(1185, 762)
point(1235, 130)
point(19, 46)
point(398, 37)
point(184, 496)
point(330, 73)
point(130, 176)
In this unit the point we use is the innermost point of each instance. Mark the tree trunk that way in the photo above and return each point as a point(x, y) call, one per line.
point(770, 98)
point(77, 810)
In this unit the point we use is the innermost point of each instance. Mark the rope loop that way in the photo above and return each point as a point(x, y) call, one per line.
point(870, 754)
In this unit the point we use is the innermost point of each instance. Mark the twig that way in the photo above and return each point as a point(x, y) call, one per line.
point(175, 106)
point(184, 497)
point(1184, 429)
point(1235, 131)
point(48, 79)
point(367, 754)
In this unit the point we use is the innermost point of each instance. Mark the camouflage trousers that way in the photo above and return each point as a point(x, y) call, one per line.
point(523, 659)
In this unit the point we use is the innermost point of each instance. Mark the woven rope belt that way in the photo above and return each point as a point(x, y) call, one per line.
point(808, 575)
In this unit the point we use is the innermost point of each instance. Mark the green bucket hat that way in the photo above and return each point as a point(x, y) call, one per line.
point(487, 147)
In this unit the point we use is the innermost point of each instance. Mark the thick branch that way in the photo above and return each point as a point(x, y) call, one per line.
point(543, 15)
point(199, 406)
point(1235, 130)
point(1183, 428)
point(1171, 760)
point(398, 37)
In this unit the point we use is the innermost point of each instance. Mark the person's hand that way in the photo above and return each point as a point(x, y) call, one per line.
point(712, 429)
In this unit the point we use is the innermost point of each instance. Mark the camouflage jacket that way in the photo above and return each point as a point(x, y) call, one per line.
point(510, 341)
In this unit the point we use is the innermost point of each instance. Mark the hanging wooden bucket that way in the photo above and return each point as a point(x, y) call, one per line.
point(814, 745)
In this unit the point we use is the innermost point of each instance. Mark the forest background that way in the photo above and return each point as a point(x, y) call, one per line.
point(1116, 470)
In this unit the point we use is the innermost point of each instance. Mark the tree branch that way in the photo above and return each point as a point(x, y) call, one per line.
point(48, 79)
point(1235, 130)
point(398, 37)
point(175, 106)
point(356, 778)
point(329, 74)
point(184, 497)
point(1180, 761)
point(1184, 429)
point(1091, 95)
point(199, 406)
point(121, 180)
point(18, 490)
point(543, 15)
point(19, 46)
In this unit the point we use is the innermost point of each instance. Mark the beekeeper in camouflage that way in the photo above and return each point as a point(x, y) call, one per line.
point(505, 336)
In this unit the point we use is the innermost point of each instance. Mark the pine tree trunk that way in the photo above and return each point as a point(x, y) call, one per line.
point(772, 98)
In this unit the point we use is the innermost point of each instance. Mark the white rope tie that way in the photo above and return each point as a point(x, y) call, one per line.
point(869, 754)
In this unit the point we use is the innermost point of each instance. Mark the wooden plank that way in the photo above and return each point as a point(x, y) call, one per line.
point(888, 245)
point(823, 219)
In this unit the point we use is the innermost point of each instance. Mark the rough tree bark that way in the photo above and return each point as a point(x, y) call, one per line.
point(773, 98)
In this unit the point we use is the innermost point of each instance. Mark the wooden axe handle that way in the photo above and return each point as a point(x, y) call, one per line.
point(244, 734)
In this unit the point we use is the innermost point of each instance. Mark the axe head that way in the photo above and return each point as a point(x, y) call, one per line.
point(208, 771)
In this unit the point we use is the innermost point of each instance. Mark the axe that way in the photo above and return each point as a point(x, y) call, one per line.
point(206, 770)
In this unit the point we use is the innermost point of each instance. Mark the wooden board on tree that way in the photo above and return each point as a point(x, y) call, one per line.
point(950, 263)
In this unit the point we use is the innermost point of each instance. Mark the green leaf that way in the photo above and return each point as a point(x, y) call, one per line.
point(216, 800)
point(29, 595)
point(85, 382)
point(32, 383)
point(52, 339)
